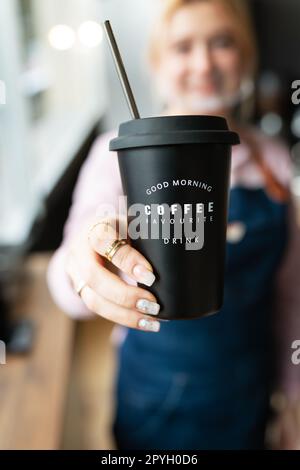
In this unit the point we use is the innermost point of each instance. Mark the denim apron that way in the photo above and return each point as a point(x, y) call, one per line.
point(205, 383)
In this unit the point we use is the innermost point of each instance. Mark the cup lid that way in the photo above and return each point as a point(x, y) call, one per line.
point(170, 130)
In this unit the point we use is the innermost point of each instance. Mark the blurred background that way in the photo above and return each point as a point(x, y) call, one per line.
point(58, 91)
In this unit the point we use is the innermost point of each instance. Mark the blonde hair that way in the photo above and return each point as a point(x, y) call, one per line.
point(237, 9)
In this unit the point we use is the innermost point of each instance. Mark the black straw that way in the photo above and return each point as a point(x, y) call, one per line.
point(121, 71)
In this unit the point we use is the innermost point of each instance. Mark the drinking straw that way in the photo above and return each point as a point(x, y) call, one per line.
point(121, 71)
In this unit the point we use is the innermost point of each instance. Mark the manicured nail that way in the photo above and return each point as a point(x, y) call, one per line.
point(146, 306)
point(143, 275)
point(149, 325)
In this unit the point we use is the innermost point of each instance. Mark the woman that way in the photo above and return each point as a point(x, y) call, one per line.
point(205, 383)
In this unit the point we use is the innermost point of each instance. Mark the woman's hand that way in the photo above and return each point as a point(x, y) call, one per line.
point(105, 293)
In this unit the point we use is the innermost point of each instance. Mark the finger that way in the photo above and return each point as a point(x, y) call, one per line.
point(108, 285)
point(127, 258)
point(117, 314)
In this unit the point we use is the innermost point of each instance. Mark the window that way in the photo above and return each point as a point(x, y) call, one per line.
point(51, 62)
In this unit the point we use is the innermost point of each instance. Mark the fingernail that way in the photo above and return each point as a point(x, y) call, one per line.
point(152, 308)
point(149, 325)
point(143, 275)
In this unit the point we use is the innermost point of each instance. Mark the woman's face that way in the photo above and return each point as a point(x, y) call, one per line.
point(200, 67)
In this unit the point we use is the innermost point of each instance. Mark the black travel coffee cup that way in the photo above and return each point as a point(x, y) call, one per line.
point(175, 172)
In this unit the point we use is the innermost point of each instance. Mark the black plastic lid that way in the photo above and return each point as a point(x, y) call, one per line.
point(168, 130)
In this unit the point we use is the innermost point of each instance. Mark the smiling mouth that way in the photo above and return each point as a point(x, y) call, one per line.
point(208, 88)
point(204, 90)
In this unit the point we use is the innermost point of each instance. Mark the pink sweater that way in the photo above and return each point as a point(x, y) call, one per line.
point(99, 182)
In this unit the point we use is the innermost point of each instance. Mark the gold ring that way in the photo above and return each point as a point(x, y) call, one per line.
point(111, 250)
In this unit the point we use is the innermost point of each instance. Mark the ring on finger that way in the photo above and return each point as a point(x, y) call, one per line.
point(113, 248)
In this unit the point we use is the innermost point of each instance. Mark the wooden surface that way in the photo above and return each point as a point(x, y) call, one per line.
point(33, 387)
point(90, 403)
point(59, 395)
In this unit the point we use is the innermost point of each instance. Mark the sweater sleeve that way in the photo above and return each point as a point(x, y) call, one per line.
point(98, 184)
